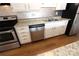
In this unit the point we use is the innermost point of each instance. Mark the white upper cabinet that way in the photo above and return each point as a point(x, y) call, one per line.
point(60, 6)
point(19, 7)
point(34, 6)
point(48, 4)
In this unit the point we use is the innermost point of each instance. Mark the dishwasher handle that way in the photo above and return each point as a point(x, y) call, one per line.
point(33, 29)
point(36, 27)
point(40, 28)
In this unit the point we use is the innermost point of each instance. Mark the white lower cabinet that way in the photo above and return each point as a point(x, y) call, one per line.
point(23, 34)
point(48, 33)
point(54, 29)
point(59, 30)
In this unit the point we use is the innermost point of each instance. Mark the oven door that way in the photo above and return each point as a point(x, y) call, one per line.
point(7, 37)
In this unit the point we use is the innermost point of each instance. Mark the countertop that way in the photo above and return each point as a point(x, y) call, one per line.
point(39, 21)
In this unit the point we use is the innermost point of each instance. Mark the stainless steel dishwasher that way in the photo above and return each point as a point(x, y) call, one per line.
point(37, 32)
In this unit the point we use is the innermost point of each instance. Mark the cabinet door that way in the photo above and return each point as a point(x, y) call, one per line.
point(60, 6)
point(23, 34)
point(48, 30)
point(55, 31)
point(55, 28)
point(18, 7)
point(34, 6)
point(25, 38)
point(48, 33)
point(60, 30)
point(48, 4)
point(60, 27)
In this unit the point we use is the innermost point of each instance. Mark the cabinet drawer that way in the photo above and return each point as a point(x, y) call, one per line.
point(48, 36)
point(21, 28)
point(49, 32)
point(61, 30)
point(22, 32)
point(24, 35)
point(24, 39)
point(54, 31)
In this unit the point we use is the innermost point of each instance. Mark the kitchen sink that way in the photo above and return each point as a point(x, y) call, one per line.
point(49, 20)
point(56, 19)
point(53, 19)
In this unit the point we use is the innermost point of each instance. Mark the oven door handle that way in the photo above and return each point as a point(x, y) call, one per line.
point(6, 31)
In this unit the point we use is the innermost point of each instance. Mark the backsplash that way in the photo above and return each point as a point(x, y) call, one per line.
point(43, 12)
point(37, 14)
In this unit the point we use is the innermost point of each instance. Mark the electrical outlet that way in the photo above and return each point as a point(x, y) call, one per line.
point(56, 13)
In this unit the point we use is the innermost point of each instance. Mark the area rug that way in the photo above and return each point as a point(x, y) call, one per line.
point(71, 49)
